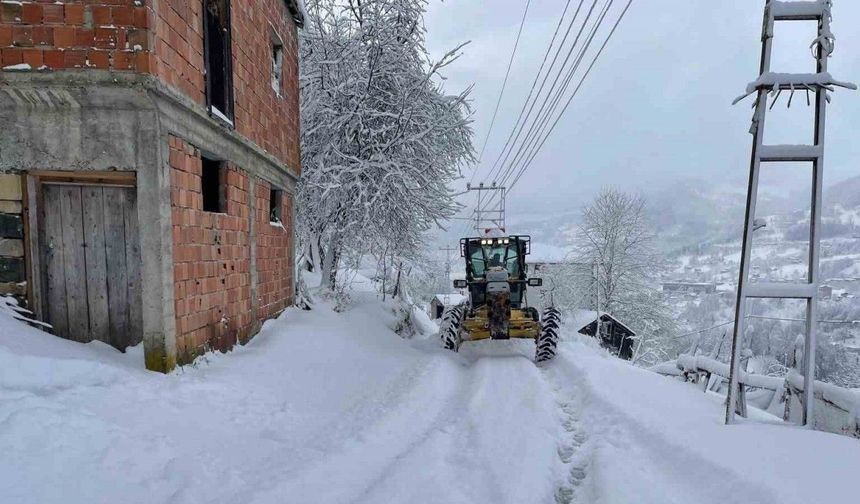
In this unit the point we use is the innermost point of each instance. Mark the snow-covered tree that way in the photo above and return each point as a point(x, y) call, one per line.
point(617, 238)
point(381, 140)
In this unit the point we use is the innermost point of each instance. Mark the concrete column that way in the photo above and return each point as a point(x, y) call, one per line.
point(156, 251)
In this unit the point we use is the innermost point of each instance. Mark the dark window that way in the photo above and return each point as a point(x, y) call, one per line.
point(219, 60)
point(276, 199)
point(277, 67)
point(212, 186)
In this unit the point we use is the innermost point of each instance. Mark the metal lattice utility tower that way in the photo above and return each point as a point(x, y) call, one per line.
point(448, 251)
point(490, 210)
point(773, 83)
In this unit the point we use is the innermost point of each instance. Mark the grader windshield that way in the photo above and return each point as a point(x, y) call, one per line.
point(484, 253)
point(502, 255)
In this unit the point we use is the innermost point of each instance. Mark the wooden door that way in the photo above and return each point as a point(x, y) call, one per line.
point(90, 250)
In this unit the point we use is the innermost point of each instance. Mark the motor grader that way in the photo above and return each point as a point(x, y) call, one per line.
point(497, 306)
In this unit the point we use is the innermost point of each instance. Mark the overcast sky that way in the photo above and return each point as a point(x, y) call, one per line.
point(657, 107)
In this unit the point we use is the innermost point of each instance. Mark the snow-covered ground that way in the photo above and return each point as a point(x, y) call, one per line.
point(336, 408)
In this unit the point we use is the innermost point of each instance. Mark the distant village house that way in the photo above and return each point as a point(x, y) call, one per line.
point(615, 336)
point(690, 287)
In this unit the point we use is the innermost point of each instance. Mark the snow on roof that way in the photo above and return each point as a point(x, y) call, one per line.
point(583, 318)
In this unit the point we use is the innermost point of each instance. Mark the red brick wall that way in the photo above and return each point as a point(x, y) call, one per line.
point(178, 46)
point(165, 38)
point(212, 257)
point(106, 34)
point(274, 255)
point(270, 121)
point(211, 254)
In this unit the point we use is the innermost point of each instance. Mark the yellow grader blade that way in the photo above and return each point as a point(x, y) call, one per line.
point(521, 325)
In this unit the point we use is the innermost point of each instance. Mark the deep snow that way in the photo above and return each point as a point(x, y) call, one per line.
point(334, 408)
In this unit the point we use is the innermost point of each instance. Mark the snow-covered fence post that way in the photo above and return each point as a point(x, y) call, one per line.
point(741, 404)
point(706, 382)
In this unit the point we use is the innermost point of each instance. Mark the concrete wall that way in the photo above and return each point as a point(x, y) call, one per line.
point(98, 120)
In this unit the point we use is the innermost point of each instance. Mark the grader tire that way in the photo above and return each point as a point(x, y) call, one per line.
point(547, 340)
point(449, 331)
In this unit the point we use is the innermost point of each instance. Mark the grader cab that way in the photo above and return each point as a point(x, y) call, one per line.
point(497, 307)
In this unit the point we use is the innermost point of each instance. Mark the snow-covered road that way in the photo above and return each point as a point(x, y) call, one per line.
point(335, 408)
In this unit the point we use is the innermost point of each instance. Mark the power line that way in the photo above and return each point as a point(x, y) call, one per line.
point(852, 322)
point(704, 330)
point(761, 317)
point(503, 171)
point(553, 91)
point(539, 127)
point(572, 96)
point(553, 97)
point(537, 77)
point(504, 85)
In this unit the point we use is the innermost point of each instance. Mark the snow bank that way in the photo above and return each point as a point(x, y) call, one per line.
point(661, 441)
point(320, 407)
point(85, 423)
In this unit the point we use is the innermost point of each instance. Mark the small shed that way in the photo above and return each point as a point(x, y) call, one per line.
point(442, 301)
point(615, 335)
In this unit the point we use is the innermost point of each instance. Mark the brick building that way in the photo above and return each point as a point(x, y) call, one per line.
point(149, 151)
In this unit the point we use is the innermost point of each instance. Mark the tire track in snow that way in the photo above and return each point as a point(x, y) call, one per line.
point(500, 446)
point(440, 453)
point(373, 436)
point(471, 428)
